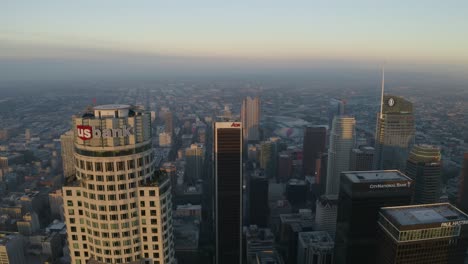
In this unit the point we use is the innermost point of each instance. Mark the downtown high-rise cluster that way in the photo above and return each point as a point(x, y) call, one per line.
point(349, 200)
point(255, 196)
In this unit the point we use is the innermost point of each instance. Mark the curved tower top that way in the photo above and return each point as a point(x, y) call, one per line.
point(112, 127)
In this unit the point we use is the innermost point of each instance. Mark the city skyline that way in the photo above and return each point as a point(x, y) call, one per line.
point(205, 132)
point(265, 211)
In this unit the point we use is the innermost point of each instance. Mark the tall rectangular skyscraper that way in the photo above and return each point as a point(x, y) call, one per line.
point(394, 134)
point(315, 140)
point(67, 150)
point(118, 205)
point(424, 167)
point(228, 192)
point(422, 234)
point(250, 118)
point(269, 156)
point(258, 200)
point(342, 140)
point(195, 158)
point(362, 194)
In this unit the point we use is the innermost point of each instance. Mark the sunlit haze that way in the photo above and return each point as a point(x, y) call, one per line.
point(240, 33)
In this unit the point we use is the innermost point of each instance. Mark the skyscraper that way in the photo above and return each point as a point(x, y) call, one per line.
point(315, 140)
point(258, 200)
point(67, 150)
point(56, 204)
point(296, 192)
point(284, 167)
point(335, 108)
point(422, 234)
point(463, 186)
point(321, 177)
point(250, 118)
point(315, 247)
point(118, 206)
point(341, 143)
point(269, 156)
point(326, 214)
point(195, 158)
point(424, 167)
point(394, 133)
point(228, 192)
point(362, 194)
point(362, 159)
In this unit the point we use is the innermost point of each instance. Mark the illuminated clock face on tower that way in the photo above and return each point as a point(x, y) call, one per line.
point(391, 102)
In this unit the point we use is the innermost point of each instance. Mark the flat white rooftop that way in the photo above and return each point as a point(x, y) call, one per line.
point(424, 214)
point(375, 176)
point(111, 107)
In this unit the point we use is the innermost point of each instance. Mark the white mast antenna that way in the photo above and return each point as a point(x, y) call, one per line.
point(382, 92)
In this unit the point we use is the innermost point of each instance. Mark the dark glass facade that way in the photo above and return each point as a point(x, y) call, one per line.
point(315, 139)
point(228, 196)
point(258, 200)
point(358, 208)
point(424, 167)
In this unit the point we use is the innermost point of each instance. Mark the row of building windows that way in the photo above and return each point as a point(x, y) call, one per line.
point(110, 208)
point(154, 255)
point(114, 166)
point(71, 212)
point(113, 178)
point(118, 252)
point(430, 233)
point(112, 197)
point(105, 234)
point(142, 193)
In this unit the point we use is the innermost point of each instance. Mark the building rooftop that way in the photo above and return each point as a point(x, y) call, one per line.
point(186, 233)
point(158, 179)
point(424, 214)
point(296, 182)
point(303, 218)
point(56, 225)
point(425, 153)
point(375, 176)
point(111, 107)
point(317, 238)
point(189, 206)
point(364, 149)
point(269, 257)
point(253, 232)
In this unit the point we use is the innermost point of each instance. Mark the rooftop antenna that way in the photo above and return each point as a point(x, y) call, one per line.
point(383, 88)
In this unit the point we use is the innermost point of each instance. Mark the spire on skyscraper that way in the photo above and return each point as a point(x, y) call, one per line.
point(382, 91)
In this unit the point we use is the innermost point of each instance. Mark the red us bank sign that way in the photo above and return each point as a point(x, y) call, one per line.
point(89, 132)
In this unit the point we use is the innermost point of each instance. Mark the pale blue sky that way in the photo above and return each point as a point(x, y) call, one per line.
point(398, 31)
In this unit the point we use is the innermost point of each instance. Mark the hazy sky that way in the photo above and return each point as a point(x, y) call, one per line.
point(398, 31)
